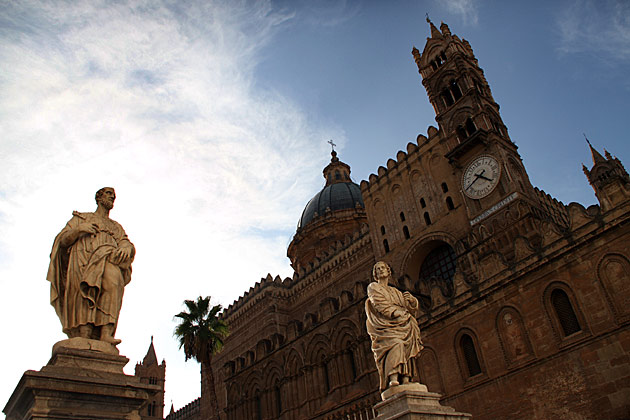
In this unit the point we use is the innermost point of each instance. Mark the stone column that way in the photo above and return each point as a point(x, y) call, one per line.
point(413, 402)
point(84, 380)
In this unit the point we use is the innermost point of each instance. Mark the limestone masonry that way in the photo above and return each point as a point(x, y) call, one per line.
point(524, 301)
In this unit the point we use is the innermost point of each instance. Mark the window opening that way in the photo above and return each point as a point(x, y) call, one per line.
point(470, 355)
point(455, 90)
point(386, 245)
point(470, 127)
point(402, 216)
point(337, 175)
point(353, 366)
point(382, 230)
point(449, 203)
point(278, 400)
point(406, 232)
point(326, 377)
point(565, 313)
point(448, 98)
point(423, 203)
point(461, 133)
point(443, 56)
point(258, 407)
point(444, 187)
point(427, 218)
point(439, 267)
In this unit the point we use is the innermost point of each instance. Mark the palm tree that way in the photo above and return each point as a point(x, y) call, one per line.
point(201, 333)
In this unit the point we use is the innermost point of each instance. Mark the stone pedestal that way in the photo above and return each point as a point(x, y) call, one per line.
point(84, 380)
point(413, 402)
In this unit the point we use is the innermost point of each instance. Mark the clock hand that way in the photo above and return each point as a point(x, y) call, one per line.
point(483, 177)
point(470, 185)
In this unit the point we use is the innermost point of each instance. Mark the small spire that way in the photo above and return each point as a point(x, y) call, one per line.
point(435, 33)
point(446, 31)
point(150, 358)
point(597, 157)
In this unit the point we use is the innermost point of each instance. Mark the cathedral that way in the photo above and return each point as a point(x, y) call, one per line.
point(524, 301)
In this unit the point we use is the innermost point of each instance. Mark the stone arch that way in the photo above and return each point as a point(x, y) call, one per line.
point(344, 331)
point(513, 336)
point(273, 374)
point(412, 263)
point(294, 363)
point(613, 273)
point(317, 347)
point(429, 370)
point(346, 299)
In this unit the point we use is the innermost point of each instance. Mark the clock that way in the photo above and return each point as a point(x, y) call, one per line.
point(481, 177)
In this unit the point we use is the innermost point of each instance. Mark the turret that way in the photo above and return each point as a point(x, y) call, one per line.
point(609, 179)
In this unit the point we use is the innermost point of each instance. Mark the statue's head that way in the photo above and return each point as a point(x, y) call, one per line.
point(381, 270)
point(105, 197)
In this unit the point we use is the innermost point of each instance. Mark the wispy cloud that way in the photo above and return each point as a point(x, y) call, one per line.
point(466, 10)
point(156, 99)
point(600, 28)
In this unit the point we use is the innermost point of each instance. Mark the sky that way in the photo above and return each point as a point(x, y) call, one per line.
point(210, 119)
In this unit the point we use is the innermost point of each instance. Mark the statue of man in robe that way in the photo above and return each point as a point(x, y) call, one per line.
point(90, 264)
point(393, 328)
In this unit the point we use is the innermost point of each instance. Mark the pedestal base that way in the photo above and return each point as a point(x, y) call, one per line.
point(79, 384)
point(409, 402)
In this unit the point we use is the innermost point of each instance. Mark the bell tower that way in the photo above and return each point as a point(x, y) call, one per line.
point(477, 143)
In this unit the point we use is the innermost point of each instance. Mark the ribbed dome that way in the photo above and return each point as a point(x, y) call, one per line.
point(336, 196)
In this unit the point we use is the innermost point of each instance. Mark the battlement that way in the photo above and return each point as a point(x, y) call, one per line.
point(188, 412)
point(556, 209)
point(383, 173)
point(323, 262)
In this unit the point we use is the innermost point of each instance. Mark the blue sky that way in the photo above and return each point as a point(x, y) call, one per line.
point(210, 118)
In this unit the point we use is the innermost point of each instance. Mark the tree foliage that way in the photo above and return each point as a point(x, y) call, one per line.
point(200, 331)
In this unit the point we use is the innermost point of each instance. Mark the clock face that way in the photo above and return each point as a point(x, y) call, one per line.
point(481, 177)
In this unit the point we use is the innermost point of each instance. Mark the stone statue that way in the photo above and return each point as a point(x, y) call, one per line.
point(90, 264)
point(393, 328)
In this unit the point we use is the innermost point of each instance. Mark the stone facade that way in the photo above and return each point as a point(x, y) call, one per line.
point(525, 304)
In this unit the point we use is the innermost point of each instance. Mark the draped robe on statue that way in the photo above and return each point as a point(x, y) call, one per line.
point(395, 340)
point(76, 274)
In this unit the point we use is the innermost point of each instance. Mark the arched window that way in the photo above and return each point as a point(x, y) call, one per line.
point(386, 245)
point(444, 187)
point(402, 216)
point(449, 203)
point(382, 230)
point(423, 203)
point(439, 267)
point(406, 232)
point(427, 218)
point(564, 312)
point(470, 355)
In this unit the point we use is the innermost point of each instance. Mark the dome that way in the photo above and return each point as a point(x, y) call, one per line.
point(337, 211)
point(336, 196)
